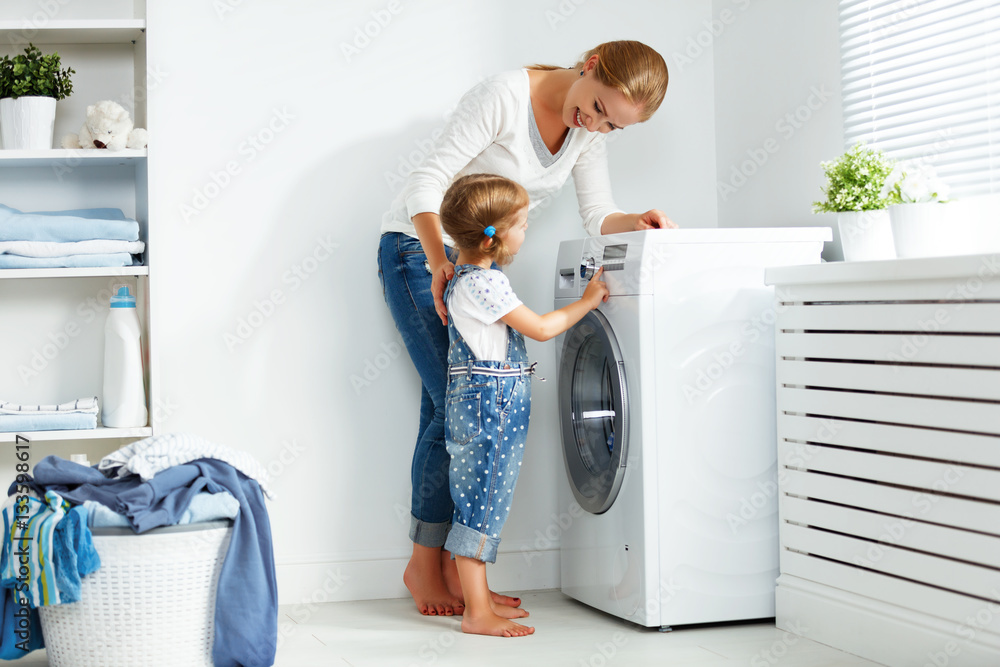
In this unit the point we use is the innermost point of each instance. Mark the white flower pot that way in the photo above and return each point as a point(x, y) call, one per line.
point(921, 230)
point(866, 235)
point(27, 123)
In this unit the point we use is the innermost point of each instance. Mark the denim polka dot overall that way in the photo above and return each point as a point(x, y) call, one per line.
point(487, 408)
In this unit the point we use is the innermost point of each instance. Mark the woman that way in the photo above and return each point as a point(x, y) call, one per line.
point(535, 126)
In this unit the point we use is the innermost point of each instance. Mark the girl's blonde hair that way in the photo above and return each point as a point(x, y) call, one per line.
point(631, 67)
point(477, 201)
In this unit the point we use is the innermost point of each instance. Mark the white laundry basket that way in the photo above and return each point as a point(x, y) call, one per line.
point(151, 604)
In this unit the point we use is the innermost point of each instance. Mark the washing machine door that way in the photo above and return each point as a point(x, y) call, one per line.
point(593, 412)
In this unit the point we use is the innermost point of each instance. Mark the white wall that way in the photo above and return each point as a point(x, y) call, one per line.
point(275, 151)
point(778, 111)
point(306, 371)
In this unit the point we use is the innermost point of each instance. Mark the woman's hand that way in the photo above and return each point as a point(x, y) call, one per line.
point(441, 274)
point(654, 219)
point(616, 223)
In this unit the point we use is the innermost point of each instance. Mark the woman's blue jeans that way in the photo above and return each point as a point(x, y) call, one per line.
point(406, 286)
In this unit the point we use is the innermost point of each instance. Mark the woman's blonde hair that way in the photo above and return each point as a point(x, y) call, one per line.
point(477, 201)
point(631, 67)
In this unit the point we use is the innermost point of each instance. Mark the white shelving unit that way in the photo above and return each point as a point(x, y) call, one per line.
point(77, 31)
point(99, 433)
point(70, 159)
point(109, 58)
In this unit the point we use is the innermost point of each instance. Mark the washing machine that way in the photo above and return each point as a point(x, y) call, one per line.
point(667, 418)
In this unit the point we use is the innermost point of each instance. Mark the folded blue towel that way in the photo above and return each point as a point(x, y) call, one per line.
point(89, 213)
point(66, 262)
point(64, 226)
point(69, 421)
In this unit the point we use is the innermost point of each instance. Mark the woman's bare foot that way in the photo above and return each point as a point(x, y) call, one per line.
point(427, 586)
point(451, 580)
point(491, 624)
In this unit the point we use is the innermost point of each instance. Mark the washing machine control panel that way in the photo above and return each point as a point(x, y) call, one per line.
point(612, 259)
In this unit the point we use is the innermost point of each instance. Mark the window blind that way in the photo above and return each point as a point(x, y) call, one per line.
point(921, 81)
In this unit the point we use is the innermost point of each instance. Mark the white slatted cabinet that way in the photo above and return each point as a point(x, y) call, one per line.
point(888, 395)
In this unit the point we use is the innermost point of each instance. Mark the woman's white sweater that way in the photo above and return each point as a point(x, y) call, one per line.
point(489, 132)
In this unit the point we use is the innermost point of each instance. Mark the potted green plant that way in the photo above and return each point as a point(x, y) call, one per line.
point(856, 191)
point(30, 85)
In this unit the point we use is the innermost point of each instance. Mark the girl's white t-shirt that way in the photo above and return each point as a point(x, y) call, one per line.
point(476, 303)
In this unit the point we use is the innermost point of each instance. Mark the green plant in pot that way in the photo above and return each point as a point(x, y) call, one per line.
point(856, 191)
point(30, 85)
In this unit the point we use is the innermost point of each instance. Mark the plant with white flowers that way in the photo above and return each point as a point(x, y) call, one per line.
point(855, 181)
point(915, 184)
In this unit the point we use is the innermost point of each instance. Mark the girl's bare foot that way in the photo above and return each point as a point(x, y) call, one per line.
point(424, 581)
point(493, 625)
point(451, 580)
point(503, 611)
point(480, 617)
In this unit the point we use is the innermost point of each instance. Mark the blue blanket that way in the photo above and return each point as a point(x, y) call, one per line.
point(246, 612)
point(65, 226)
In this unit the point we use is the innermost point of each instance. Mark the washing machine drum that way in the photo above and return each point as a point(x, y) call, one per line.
point(593, 412)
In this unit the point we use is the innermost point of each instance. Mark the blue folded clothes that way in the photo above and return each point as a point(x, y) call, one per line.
point(68, 422)
point(66, 262)
point(88, 213)
point(64, 226)
point(78, 414)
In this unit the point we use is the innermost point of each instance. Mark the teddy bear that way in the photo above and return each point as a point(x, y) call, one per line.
point(108, 125)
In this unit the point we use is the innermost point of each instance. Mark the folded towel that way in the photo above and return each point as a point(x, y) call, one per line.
point(88, 213)
point(54, 249)
point(63, 226)
point(69, 262)
point(78, 414)
point(88, 405)
point(71, 421)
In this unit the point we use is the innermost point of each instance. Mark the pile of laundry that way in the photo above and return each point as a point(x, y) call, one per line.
point(78, 414)
point(68, 239)
point(159, 481)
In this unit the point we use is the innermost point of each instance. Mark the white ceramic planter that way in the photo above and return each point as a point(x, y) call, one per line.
point(920, 230)
point(27, 123)
point(866, 235)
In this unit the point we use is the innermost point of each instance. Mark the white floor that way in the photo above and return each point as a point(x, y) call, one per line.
point(390, 633)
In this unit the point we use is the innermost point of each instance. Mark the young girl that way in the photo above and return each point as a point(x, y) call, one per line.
point(488, 399)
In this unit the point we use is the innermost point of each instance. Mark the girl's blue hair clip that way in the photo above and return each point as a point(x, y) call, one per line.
point(490, 231)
